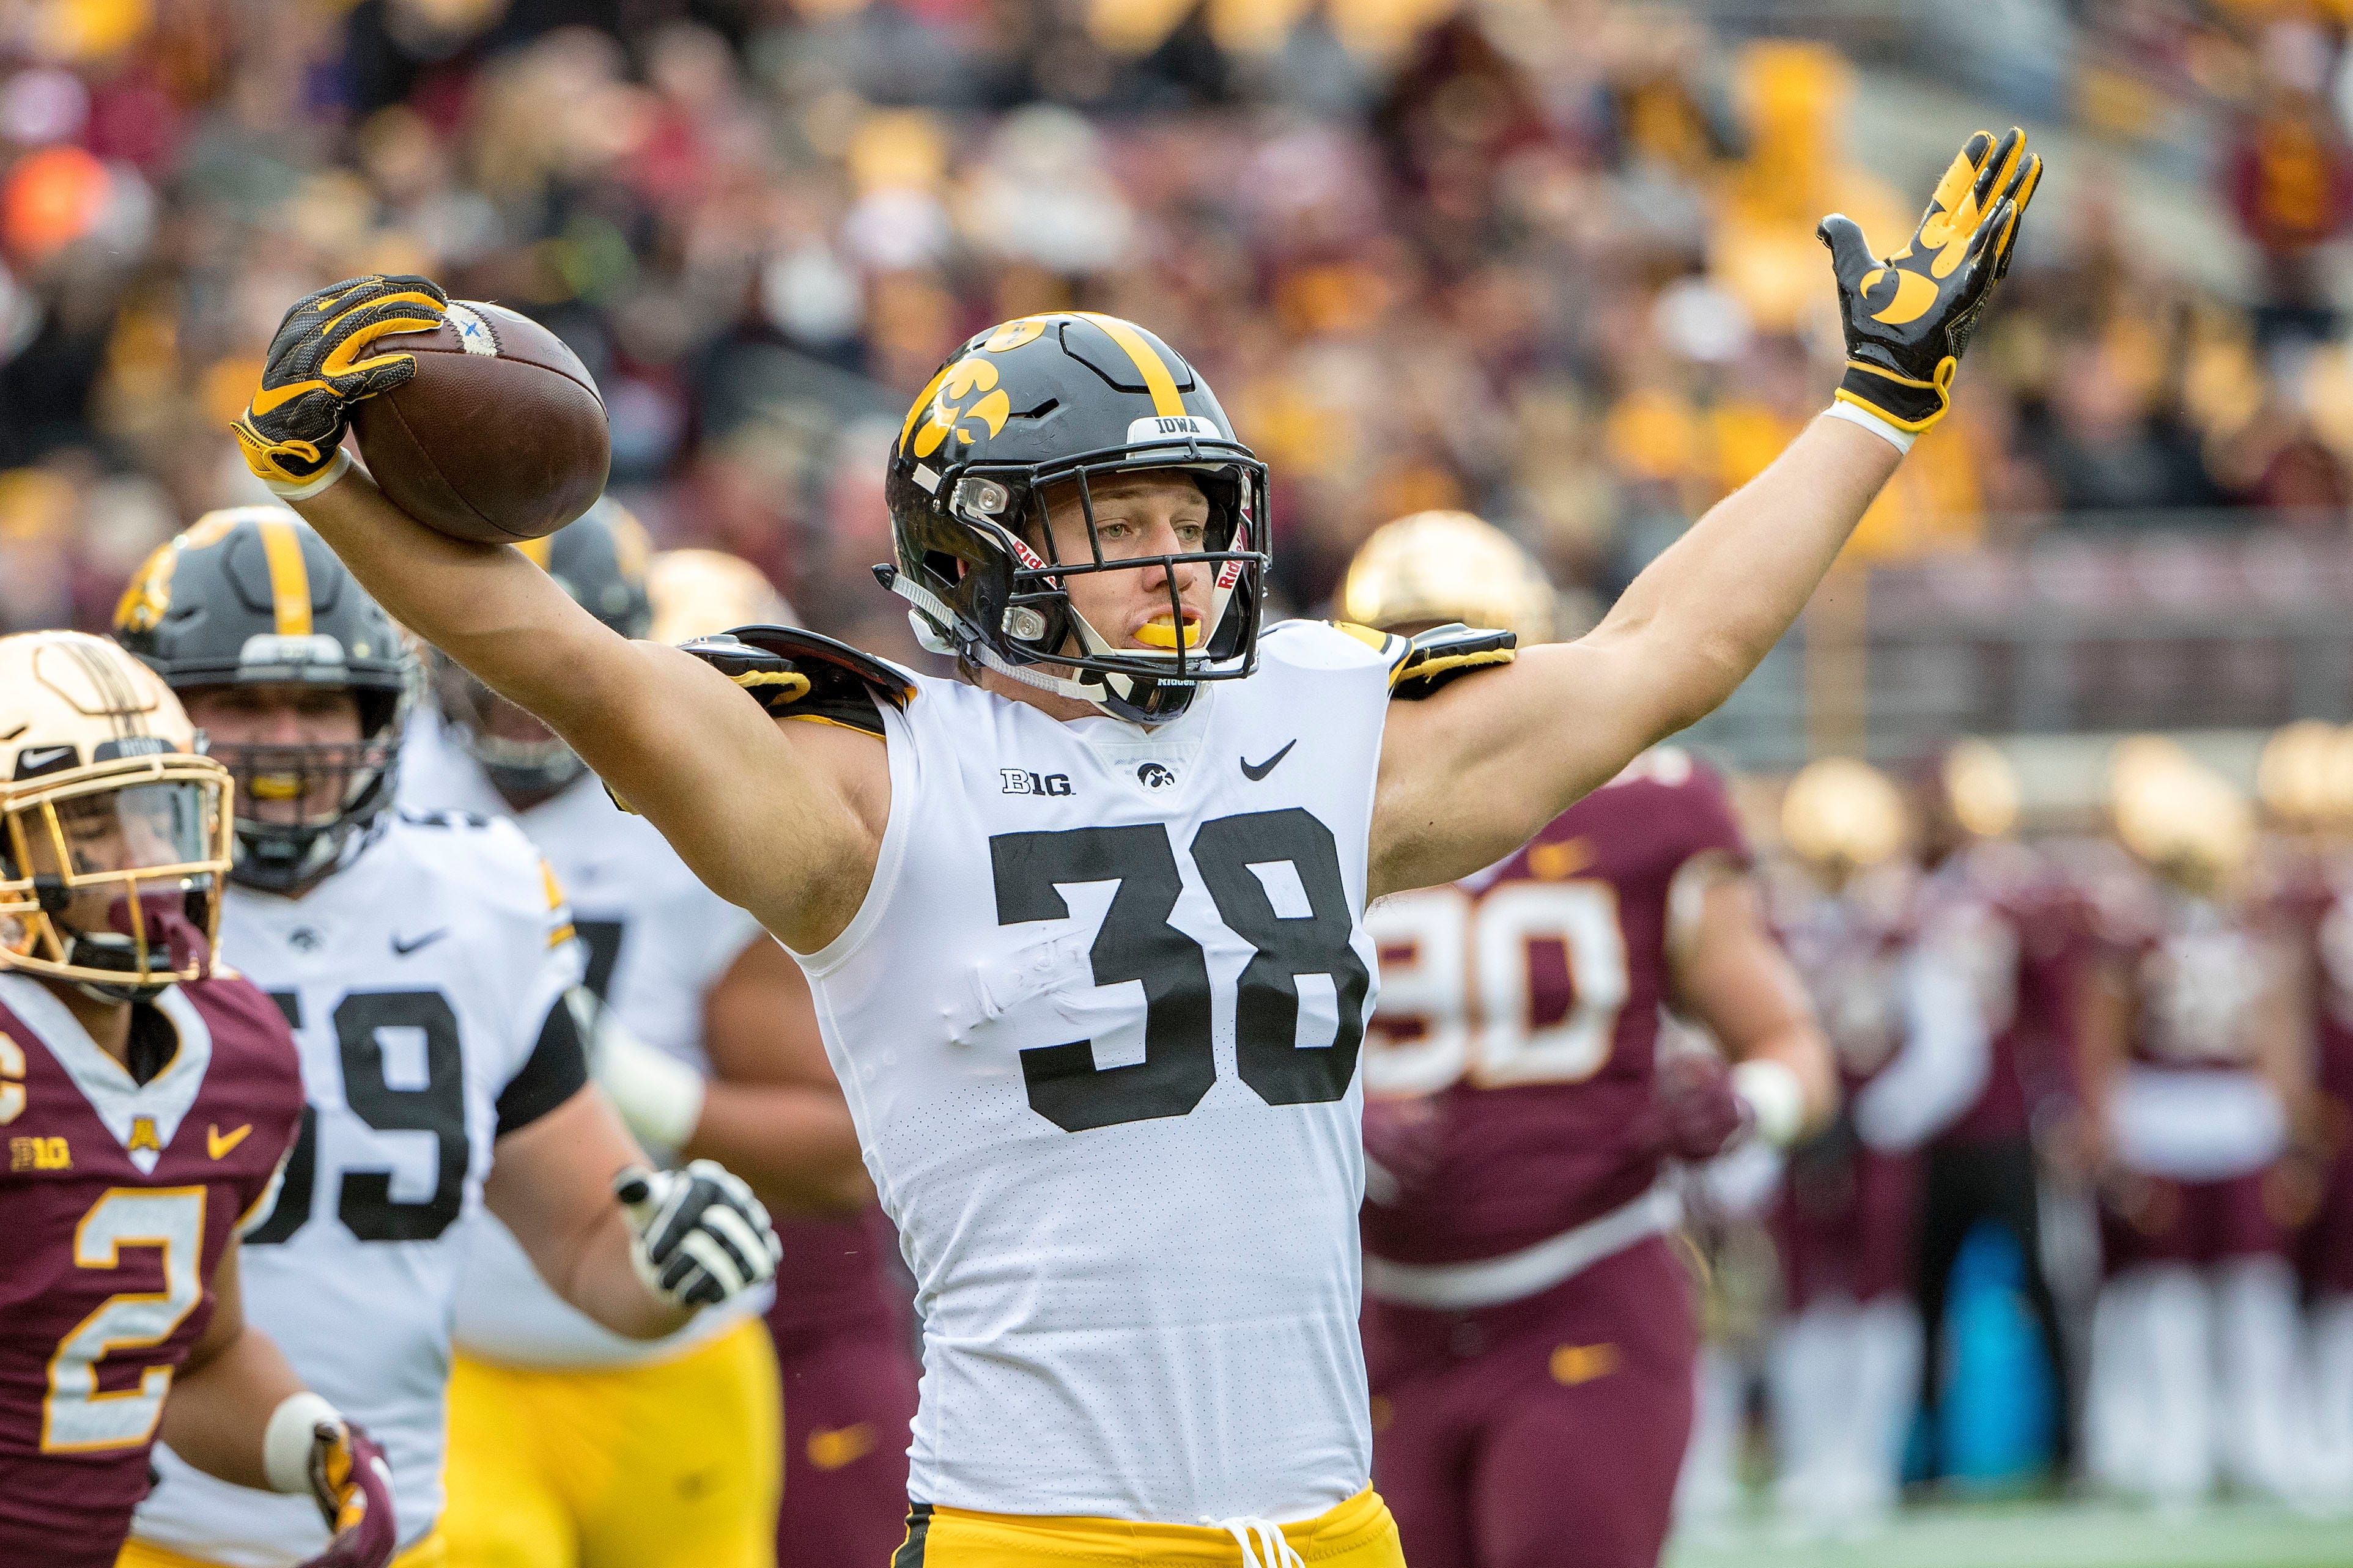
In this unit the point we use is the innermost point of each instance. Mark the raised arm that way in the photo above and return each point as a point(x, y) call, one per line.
point(782, 826)
point(1474, 770)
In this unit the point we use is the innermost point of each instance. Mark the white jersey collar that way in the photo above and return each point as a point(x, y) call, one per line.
point(121, 1102)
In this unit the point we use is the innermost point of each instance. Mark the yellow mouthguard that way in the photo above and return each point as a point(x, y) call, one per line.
point(1160, 631)
point(278, 786)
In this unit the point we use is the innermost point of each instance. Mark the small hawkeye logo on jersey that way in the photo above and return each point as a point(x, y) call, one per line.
point(1153, 775)
point(1019, 783)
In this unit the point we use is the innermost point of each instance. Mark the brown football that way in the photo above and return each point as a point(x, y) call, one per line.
point(499, 436)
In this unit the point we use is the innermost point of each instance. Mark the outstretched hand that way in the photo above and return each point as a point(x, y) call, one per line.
point(323, 360)
point(1908, 317)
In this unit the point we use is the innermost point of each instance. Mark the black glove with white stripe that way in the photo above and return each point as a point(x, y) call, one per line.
point(698, 1236)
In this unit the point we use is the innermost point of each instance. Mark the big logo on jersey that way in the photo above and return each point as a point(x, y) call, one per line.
point(1137, 943)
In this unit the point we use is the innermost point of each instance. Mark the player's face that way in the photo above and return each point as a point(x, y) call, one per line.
point(268, 726)
point(1137, 517)
point(115, 830)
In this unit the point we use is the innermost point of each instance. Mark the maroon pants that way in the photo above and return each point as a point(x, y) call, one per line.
point(1546, 1432)
point(2152, 1219)
point(1845, 1225)
point(849, 1398)
point(2328, 1244)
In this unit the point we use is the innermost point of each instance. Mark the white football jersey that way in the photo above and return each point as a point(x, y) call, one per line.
point(416, 979)
point(656, 942)
point(1098, 1021)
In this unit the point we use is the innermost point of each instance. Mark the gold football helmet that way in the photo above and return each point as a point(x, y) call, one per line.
point(2295, 780)
point(1842, 816)
point(1980, 787)
point(114, 833)
point(698, 593)
point(2179, 816)
point(1432, 567)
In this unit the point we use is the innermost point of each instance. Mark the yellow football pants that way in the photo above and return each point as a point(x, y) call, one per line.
point(672, 1465)
point(1358, 1533)
point(433, 1551)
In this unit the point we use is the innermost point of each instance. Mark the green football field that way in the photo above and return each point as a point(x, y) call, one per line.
point(2046, 1535)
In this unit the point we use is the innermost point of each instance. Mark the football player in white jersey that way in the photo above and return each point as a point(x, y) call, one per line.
point(706, 1043)
point(1085, 929)
point(425, 966)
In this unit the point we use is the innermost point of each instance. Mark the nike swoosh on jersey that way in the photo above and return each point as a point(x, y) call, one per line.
point(1573, 1365)
point(403, 949)
point(1254, 774)
point(217, 1146)
point(830, 1450)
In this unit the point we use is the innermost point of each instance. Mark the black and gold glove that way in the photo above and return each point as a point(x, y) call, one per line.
point(1909, 317)
point(320, 363)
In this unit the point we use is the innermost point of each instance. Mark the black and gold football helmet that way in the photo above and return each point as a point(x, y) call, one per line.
point(251, 596)
point(1061, 398)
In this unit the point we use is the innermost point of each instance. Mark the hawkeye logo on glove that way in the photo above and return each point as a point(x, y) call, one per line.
point(1909, 316)
point(1914, 295)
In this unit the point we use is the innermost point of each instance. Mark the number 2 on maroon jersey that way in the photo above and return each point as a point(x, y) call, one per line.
point(75, 1416)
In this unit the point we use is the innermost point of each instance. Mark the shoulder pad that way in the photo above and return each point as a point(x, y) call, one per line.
point(795, 674)
point(1433, 657)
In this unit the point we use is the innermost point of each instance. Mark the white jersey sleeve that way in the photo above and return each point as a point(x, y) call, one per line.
point(416, 979)
point(655, 941)
point(1098, 1020)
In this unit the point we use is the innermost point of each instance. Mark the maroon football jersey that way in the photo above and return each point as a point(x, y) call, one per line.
point(2199, 976)
point(2014, 923)
point(1524, 1002)
point(2328, 1245)
point(118, 1200)
point(1848, 949)
point(2333, 1034)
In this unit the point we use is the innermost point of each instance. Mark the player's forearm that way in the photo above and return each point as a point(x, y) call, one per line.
point(1705, 613)
point(220, 1406)
point(483, 604)
point(794, 1145)
point(602, 1283)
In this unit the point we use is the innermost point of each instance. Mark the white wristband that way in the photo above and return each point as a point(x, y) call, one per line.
point(1774, 1097)
point(660, 1096)
point(288, 490)
point(1856, 414)
point(287, 1441)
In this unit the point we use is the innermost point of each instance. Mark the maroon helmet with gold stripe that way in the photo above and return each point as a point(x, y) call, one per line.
point(1047, 399)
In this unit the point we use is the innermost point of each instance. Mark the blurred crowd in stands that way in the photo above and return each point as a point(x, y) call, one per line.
point(1548, 259)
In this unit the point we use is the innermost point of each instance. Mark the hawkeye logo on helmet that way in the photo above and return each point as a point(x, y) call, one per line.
point(1157, 427)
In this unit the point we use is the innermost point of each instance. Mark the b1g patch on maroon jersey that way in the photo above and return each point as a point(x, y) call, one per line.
point(1524, 1002)
point(118, 1199)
